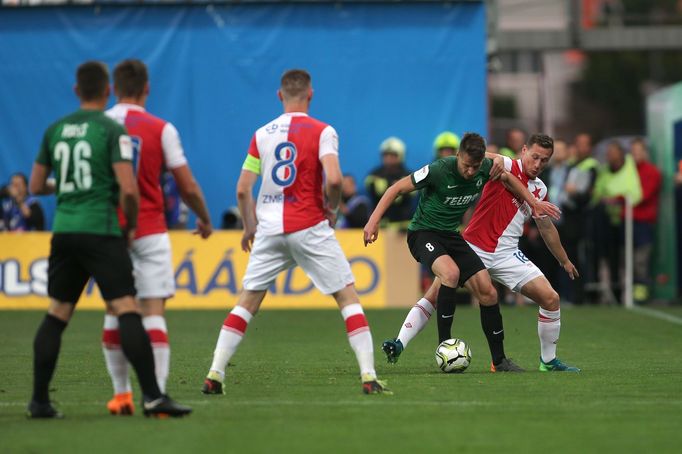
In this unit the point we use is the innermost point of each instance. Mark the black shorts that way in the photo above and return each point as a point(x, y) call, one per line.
point(427, 245)
point(75, 257)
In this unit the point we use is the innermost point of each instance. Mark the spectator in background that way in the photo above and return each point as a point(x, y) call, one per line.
point(175, 210)
point(392, 169)
point(515, 141)
point(231, 219)
point(576, 222)
point(354, 207)
point(617, 180)
point(19, 211)
point(644, 215)
point(678, 211)
point(445, 144)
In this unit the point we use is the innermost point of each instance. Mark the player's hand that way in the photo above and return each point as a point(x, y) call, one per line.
point(332, 216)
point(497, 169)
point(571, 270)
point(203, 229)
point(247, 239)
point(543, 208)
point(129, 235)
point(370, 232)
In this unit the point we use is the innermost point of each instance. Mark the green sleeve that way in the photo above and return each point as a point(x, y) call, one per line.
point(427, 175)
point(44, 153)
point(120, 144)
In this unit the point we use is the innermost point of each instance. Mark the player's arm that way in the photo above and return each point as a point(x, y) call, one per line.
point(498, 165)
point(400, 187)
point(40, 184)
point(550, 235)
point(129, 196)
point(190, 191)
point(247, 207)
point(539, 208)
point(191, 194)
point(332, 185)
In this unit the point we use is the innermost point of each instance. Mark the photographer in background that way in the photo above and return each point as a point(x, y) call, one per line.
point(18, 210)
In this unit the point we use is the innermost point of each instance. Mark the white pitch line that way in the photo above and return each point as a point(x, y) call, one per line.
point(376, 400)
point(657, 314)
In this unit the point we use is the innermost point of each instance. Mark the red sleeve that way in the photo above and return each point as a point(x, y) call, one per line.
point(253, 148)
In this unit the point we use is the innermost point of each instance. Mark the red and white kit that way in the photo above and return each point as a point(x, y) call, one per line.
point(497, 226)
point(157, 147)
point(292, 228)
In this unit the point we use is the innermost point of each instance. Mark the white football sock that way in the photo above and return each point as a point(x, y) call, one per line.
point(549, 326)
point(116, 362)
point(231, 335)
point(155, 325)
point(360, 339)
point(416, 320)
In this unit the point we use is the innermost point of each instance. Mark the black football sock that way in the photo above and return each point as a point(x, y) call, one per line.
point(46, 346)
point(445, 311)
point(135, 345)
point(491, 322)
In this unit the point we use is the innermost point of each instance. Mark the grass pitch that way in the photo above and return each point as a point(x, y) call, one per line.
point(294, 387)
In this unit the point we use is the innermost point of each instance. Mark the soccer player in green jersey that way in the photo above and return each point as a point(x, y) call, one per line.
point(91, 157)
point(448, 187)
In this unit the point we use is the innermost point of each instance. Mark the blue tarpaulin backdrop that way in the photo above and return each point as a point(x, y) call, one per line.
point(410, 70)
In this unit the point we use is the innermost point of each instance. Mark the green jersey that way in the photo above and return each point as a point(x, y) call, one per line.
point(81, 149)
point(445, 194)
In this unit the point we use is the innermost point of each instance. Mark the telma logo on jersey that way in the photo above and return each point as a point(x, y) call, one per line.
point(460, 200)
point(284, 171)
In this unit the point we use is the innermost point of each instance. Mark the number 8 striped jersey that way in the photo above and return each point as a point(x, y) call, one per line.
point(286, 153)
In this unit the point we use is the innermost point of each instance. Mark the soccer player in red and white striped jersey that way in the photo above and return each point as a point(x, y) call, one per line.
point(493, 233)
point(157, 147)
point(296, 156)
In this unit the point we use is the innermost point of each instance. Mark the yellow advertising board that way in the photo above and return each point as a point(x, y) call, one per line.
point(208, 273)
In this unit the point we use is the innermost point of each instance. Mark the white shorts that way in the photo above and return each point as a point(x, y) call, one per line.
point(314, 249)
point(153, 266)
point(510, 268)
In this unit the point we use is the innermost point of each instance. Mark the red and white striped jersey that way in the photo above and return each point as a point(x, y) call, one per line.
point(286, 153)
point(156, 146)
point(497, 223)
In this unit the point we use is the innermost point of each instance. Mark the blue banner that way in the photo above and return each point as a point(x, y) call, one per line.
point(410, 70)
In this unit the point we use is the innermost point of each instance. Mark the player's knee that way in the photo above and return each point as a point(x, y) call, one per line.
point(488, 296)
point(450, 278)
point(551, 302)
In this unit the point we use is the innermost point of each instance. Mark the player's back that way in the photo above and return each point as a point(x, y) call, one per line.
point(288, 151)
point(497, 223)
point(81, 149)
point(147, 134)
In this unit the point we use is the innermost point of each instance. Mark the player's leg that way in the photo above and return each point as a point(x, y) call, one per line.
point(549, 322)
point(231, 335)
point(155, 283)
point(65, 282)
point(414, 323)
point(319, 254)
point(117, 366)
point(269, 256)
point(433, 249)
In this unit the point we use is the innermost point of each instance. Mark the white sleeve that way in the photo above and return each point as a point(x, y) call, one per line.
point(329, 142)
point(507, 163)
point(173, 153)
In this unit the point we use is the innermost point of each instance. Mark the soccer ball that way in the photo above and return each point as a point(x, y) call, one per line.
point(453, 355)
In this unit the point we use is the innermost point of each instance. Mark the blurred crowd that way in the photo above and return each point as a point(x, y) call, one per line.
point(591, 193)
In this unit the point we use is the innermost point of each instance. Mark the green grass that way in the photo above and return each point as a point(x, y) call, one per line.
point(294, 388)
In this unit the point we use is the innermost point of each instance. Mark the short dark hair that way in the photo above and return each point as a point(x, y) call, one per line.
point(543, 140)
point(21, 175)
point(92, 79)
point(295, 83)
point(130, 78)
point(473, 144)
